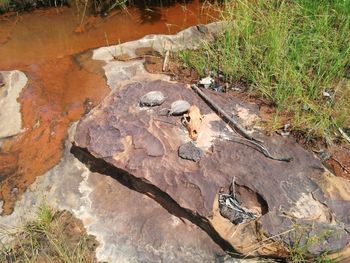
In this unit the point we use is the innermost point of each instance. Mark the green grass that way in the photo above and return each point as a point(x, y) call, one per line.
point(4, 5)
point(301, 242)
point(289, 52)
point(51, 237)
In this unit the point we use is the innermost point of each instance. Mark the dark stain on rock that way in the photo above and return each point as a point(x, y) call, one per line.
point(2, 82)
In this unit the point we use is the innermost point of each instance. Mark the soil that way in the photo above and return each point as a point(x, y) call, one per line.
point(175, 68)
point(339, 161)
point(73, 230)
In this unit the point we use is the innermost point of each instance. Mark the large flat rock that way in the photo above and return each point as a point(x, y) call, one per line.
point(125, 181)
point(143, 144)
point(131, 220)
point(129, 225)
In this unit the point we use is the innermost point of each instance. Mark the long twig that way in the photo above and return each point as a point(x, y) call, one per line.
point(263, 150)
point(267, 239)
point(340, 164)
point(219, 110)
point(166, 60)
point(343, 133)
point(247, 137)
point(237, 126)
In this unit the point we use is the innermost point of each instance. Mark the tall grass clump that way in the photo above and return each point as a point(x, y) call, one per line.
point(51, 237)
point(4, 5)
point(294, 53)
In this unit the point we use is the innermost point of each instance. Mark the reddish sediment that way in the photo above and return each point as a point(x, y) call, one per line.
point(62, 86)
point(57, 94)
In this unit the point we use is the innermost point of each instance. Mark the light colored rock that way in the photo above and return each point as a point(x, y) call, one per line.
point(119, 73)
point(10, 108)
point(188, 38)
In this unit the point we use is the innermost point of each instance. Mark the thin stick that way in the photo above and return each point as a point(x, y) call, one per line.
point(166, 60)
point(345, 136)
point(234, 123)
point(107, 42)
point(237, 126)
point(263, 150)
point(84, 11)
point(267, 239)
point(340, 164)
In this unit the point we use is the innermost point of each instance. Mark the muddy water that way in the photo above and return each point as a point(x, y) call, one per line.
point(51, 47)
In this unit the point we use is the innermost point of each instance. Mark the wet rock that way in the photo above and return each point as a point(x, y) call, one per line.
point(189, 151)
point(188, 38)
point(132, 220)
point(301, 189)
point(10, 114)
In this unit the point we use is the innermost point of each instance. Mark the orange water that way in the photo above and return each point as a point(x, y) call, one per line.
point(63, 79)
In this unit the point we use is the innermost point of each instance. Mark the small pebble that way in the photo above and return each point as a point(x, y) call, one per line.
point(324, 155)
point(153, 98)
point(189, 151)
point(179, 107)
point(218, 88)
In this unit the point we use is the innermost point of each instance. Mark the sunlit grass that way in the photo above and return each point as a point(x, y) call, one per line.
point(4, 5)
point(289, 52)
point(48, 239)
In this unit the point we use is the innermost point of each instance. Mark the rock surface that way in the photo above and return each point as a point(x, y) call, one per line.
point(189, 151)
point(130, 221)
point(129, 225)
point(144, 145)
point(118, 73)
point(144, 203)
point(10, 115)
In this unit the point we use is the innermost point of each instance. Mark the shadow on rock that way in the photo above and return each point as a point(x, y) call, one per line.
point(100, 166)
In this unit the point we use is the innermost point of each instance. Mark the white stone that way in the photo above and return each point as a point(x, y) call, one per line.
point(10, 108)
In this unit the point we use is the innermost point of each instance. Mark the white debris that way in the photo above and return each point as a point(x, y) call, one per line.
point(206, 82)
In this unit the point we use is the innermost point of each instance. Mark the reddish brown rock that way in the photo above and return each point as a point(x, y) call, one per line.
point(144, 144)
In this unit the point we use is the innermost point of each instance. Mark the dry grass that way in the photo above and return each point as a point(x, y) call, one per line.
point(52, 237)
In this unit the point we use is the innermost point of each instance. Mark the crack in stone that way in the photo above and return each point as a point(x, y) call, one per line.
point(144, 187)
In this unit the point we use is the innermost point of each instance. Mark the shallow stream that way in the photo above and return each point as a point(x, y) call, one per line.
point(51, 47)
